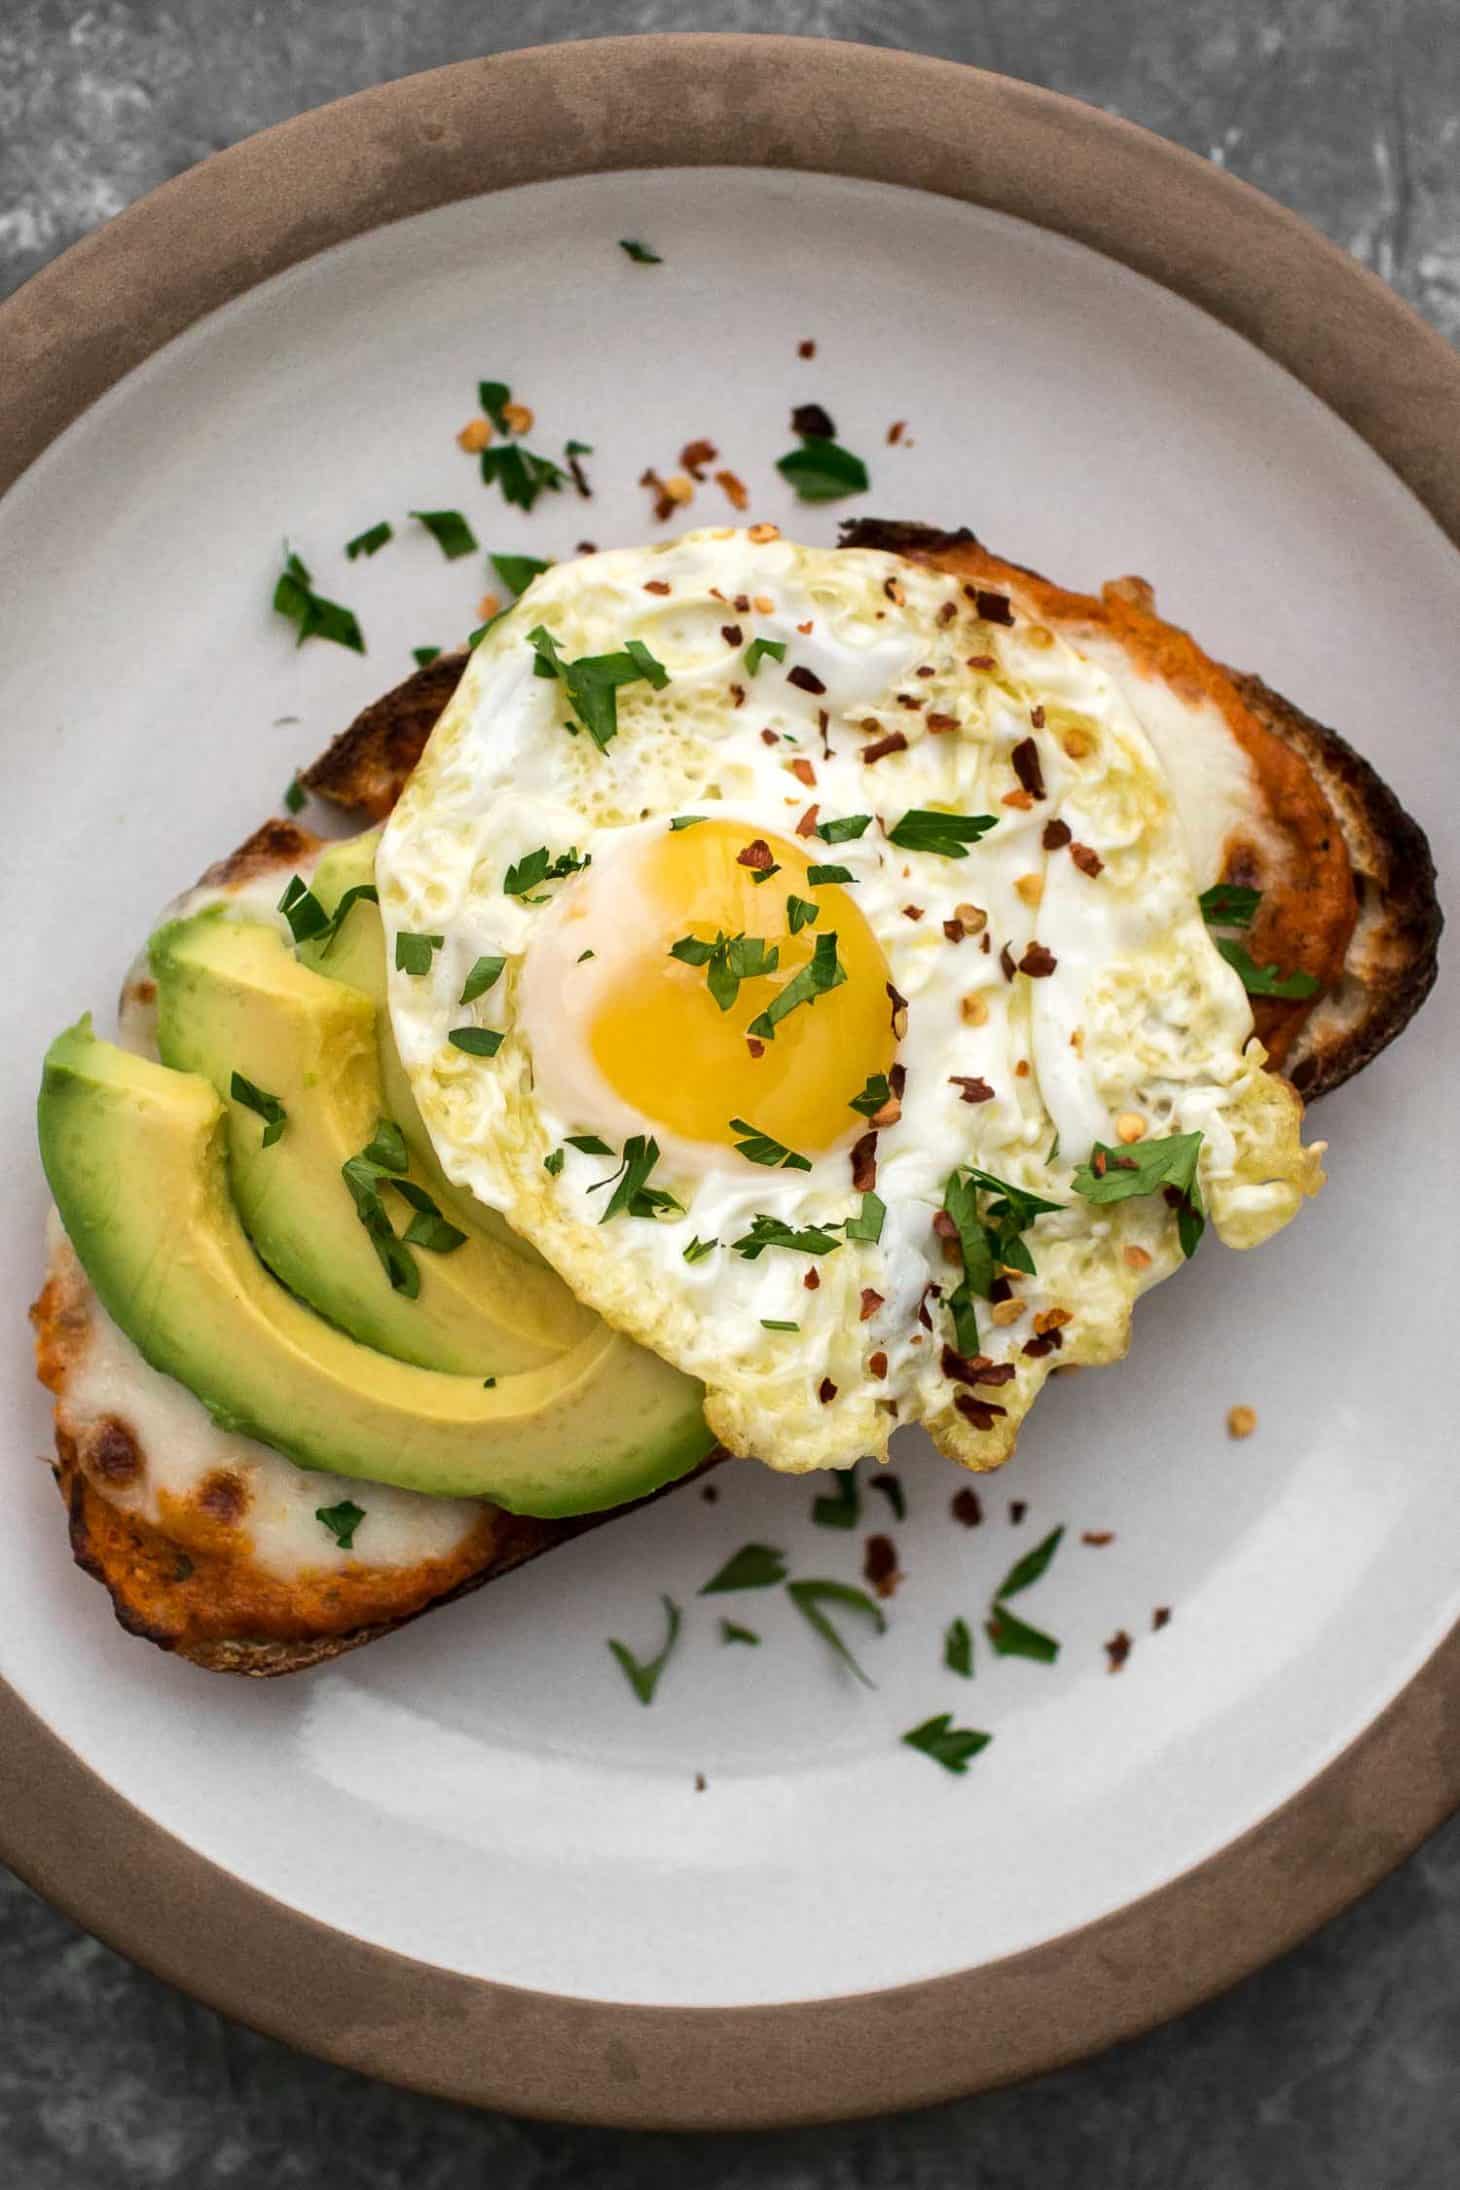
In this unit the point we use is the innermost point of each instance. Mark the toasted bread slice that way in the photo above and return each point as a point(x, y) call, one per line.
point(1349, 893)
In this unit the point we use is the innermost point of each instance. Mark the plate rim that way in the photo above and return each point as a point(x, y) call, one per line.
point(730, 99)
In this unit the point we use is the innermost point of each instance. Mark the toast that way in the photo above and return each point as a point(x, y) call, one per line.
point(1349, 896)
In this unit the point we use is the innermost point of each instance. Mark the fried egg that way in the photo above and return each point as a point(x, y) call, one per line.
point(784, 910)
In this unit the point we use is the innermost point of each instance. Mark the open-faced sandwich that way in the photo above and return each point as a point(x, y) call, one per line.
point(784, 995)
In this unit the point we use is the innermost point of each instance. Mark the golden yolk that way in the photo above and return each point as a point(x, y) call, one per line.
point(664, 1045)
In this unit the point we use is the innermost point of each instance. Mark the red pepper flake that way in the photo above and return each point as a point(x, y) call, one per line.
point(586, 547)
point(1001, 1289)
point(979, 661)
point(954, 930)
point(894, 592)
point(879, 1565)
point(982, 1413)
point(754, 1045)
point(803, 771)
point(896, 431)
point(1160, 1618)
point(975, 1368)
point(910, 699)
point(938, 723)
point(929, 1291)
point(1097, 1536)
point(1022, 799)
point(806, 348)
point(894, 742)
point(757, 853)
point(1017, 1511)
point(1006, 960)
point(926, 669)
point(966, 1508)
point(993, 607)
point(656, 585)
point(1056, 835)
point(806, 826)
point(871, 1302)
point(877, 1365)
point(1025, 762)
point(899, 1012)
point(912, 912)
point(1038, 962)
point(696, 455)
point(826, 1391)
point(823, 724)
point(710, 1494)
point(812, 423)
point(1089, 862)
point(973, 1089)
point(1036, 717)
point(805, 680)
point(812, 1281)
point(1118, 1649)
point(740, 604)
point(734, 489)
point(864, 1163)
point(732, 634)
point(897, 1079)
point(770, 737)
point(1048, 1342)
point(664, 502)
point(737, 694)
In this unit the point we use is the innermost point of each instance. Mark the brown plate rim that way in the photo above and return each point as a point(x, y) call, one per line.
point(273, 202)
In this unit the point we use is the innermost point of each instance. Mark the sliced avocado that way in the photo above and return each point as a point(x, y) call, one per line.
point(136, 1156)
point(356, 953)
point(232, 998)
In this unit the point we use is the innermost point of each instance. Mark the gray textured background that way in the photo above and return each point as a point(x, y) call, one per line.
point(1340, 2067)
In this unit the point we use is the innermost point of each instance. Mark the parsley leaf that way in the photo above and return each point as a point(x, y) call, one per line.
point(822, 972)
point(592, 681)
point(867, 1225)
point(537, 867)
point(754, 1566)
point(476, 1041)
point(814, 875)
point(1025, 1572)
point(450, 530)
point(841, 1506)
point(363, 1175)
point(423, 656)
point(639, 252)
point(312, 616)
point(759, 649)
point(699, 1248)
point(268, 1107)
point(1013, 1638)
point(949, 835)
point(823, 471)
point(728, 961)
point(295, 796)
point(758, 1147)
point(773, 1323)
point(644, 1678)
point(413, 953)
point(633, 1192)
point(517, 571)
point(811, 1598)
point(873, 1096)
point(494, 396)
point(369, 542)
point(306, 916)
point(958, 1648)
point(771, 1232)
point(801, 913)
point(1229, 905)
point(686, 821)
point(588, 1144)
point(1122, 1174)
point(1265, 980)
point(341, 1521)
point(520, 474)
point(553, 1163)
point(732, 1632)
point(843, 831)
point(987, 1239)
point(484, 975)
point(949, 1745)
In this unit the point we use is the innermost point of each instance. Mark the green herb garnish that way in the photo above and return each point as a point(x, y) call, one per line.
point(758, 1147)
point(801, 912)
point(1265, 980)
point(644, 1678)
point(699, 1248)
point(867, 1225)
point(476, 1041)
point(383, 1155)
point(761, 649)
point(841, 1506)
point(294, 796)
point(484, 975)
point(520, 474)
point(773, 1323)
point(312, 616)
point(1122, 1174)
point(1013, 1638)
point(494, 396)
point(958, 1648)
point(517, 571)
point(307, 918)
point(588, 1144)
point(537, 867)
point(810, 1600)
point(822, 972)
point(450, 530)
point(1229, 905)
point(423, 656)
point(639, 252)
point(268, 1107)
point(814, 875)
point(553, 1163)
point(427, 1228)
point(754, 1566)
point(771, 1232)
point(1025, 1572)
point(686, 821)
point(732, 1632)
point(369, 542)
point(949, 1745)
point(873, 1097)
point(988, 1240)
point(844, 831)
point(413, 953)
point(341, 1521)
point(823, 471)
point(949, 835)
point(386, 1147)
point(632, 1193)
point(728, 961)
point(592, 682)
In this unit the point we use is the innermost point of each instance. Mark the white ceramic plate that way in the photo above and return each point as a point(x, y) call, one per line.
point(481, 1791)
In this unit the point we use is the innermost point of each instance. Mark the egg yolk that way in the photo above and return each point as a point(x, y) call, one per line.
point(660, 1038)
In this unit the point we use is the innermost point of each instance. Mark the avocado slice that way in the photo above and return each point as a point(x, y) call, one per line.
point(356, 953)
point(231, 997)
point(136, 1157)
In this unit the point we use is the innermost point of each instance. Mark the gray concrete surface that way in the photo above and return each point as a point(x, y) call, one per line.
point(1339, 2069)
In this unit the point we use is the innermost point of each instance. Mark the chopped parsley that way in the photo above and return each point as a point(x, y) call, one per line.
point(1229, 905)
point(312, 616)
point(868, 1224)
point(414, 953)
point(369, 542)
point(822, 972)
point(951, 1746)
point(450, 530)
point(989, 1240)
point(728, 961)
point(686, 821)
point(484, 975)
point(823, 471)
point(632, 1194)
point(268, 1107)
point(517, 571)
point(307, 918)
point(427, 1228)
point(553, 1163)
point(1122, 1174)
point(537, 867)
point(843, 831)
point(1025, 1572)
point(949, 835)
point(763, 874)
point(386, 1147)
point(1013, 1638)
point(644, 1678)
point(639, 252)
point(423, 656)
point(801, 912)
point(815, 875)
point(520, 474)
point(758, 651)
point(767, 1232)
point(494, 396)
point(592, 682)
point(476, 1041)
point(754, 1566)
point(874, 1095)
point(958, 1648)
point(383, 1155)
point(774, 1323)
point(699, 1248)
point(841, 1506)
point(294, 796)
point(732, 1632)
point(758, 1147)
point(811, 1599)
point(1265, 980)
point(341, 1521)
point(588, 1144)
point(891, 1488)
